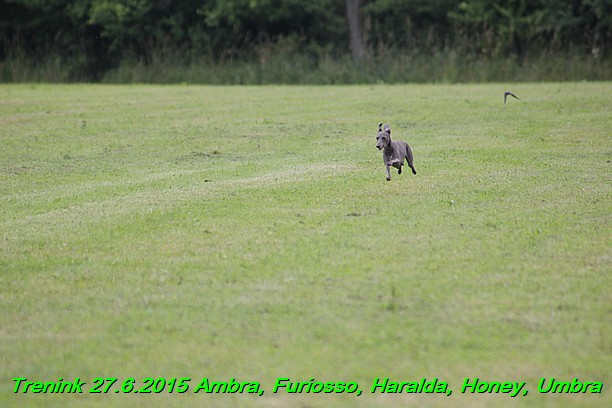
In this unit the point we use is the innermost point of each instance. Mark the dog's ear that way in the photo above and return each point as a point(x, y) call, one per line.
point(387, 129)
point(380, 127)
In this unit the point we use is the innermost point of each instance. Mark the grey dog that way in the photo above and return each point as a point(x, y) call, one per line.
point(394, 153)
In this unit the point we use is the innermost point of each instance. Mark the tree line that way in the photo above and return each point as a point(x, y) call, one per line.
point(94, 36)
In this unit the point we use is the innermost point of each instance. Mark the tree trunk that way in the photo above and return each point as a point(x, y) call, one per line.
point(355, 25)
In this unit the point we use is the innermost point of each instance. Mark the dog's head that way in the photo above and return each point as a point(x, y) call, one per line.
point(383, 138)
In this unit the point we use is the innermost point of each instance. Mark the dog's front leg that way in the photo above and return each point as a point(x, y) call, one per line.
point(388, 171)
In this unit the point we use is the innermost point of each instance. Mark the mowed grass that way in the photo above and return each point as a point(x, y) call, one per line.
point(249, 233)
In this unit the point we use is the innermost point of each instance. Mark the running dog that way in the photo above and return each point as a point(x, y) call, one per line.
point(394, 153)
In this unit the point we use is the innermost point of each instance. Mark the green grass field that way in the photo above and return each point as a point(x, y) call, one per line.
point(249, 233)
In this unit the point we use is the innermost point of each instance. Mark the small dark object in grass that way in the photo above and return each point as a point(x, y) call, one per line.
point(511, 94)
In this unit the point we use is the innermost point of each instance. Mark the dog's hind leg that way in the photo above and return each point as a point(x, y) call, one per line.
point(410, 159)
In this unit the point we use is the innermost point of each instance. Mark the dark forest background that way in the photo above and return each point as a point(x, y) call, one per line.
point(298, 41)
